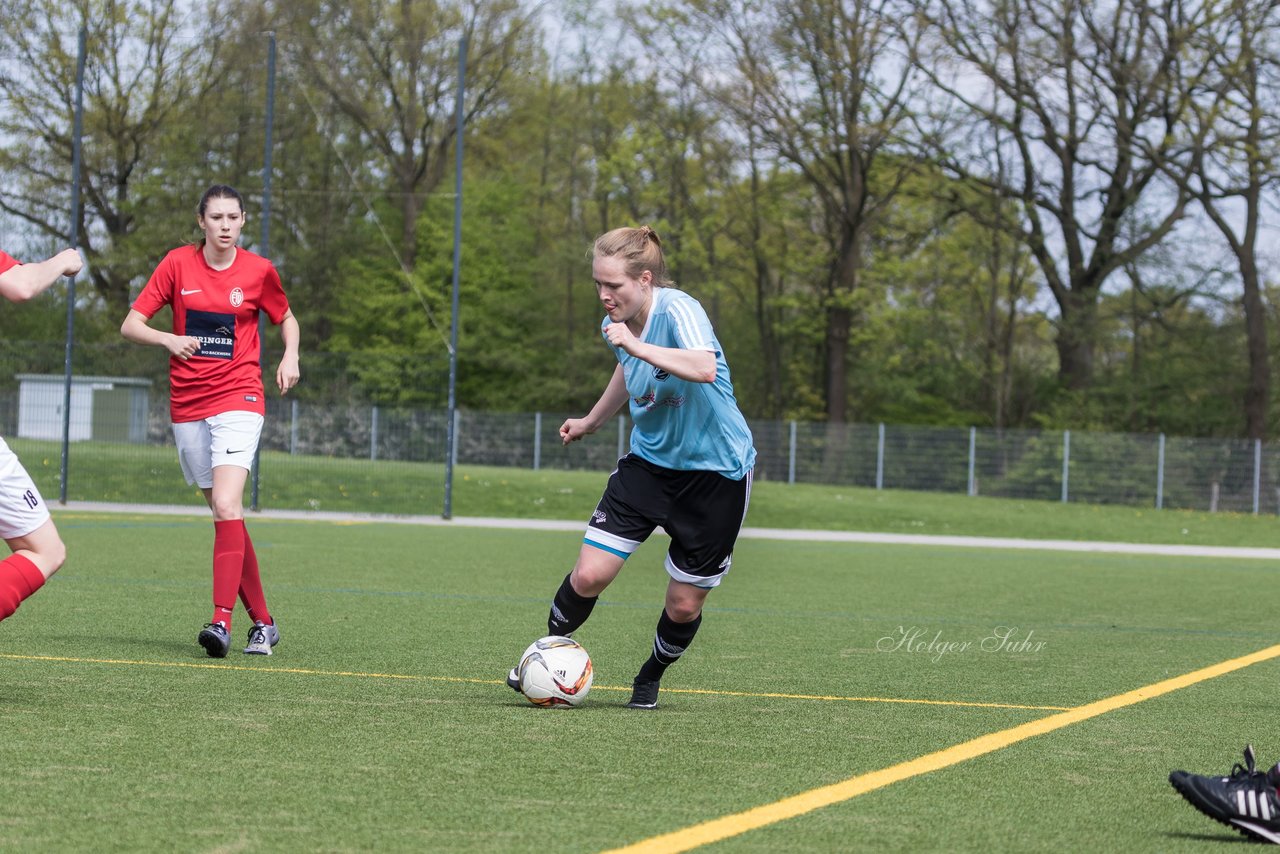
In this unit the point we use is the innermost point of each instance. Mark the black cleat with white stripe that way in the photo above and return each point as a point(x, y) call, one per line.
point(644, 694)
point(1247, 800)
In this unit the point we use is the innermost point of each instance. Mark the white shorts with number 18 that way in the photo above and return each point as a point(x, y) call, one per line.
point(22, 510)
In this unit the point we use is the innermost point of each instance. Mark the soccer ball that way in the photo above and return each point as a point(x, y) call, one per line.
point(555, 671)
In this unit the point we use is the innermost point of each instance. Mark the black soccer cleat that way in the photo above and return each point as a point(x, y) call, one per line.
point(1246, 800)
point(513, 681)
point(215, 640)
point(644, 694)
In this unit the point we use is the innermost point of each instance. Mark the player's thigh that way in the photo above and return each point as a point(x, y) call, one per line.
point(226, 498)
point(43, 546)
point(233, 444)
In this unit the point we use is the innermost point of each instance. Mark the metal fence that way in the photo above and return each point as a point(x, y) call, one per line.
point(1230, 475)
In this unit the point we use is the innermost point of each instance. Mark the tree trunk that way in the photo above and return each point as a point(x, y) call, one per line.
point(770, 351)
point(845, 276)
point(1258, 391)
point(410, 207)
point(1077, 337)
point(839, 322)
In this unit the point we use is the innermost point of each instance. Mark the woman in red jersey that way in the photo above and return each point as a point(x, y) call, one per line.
point(25, 525)
point(216, 291)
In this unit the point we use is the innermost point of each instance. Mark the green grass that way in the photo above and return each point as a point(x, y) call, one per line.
point(150, 475)
point(382, 723)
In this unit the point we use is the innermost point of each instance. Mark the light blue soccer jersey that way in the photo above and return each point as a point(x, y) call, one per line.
point(682, 425)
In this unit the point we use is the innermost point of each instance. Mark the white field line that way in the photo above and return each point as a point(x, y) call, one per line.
point(748, 532)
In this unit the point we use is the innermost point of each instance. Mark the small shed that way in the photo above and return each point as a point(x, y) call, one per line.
point(109, 409)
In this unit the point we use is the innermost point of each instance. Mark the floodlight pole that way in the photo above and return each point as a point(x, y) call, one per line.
point(76, 133)
point(452, 436)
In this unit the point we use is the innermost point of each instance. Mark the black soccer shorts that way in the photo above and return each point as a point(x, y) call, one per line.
point(702, 512)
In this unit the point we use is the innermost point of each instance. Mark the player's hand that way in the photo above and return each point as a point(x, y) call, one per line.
point(287, 375)
point(619, 335)
point(70, 261)
point(574, 429)
point(182, 346)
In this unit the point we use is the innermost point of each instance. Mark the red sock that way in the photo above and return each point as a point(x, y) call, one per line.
point(255, 601)
point(228, 562)
point(19, 578)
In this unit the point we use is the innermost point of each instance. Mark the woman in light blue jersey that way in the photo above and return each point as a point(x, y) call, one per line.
point(691, 458)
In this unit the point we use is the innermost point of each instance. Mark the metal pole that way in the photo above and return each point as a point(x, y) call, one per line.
point(451, 447)
point(456, 427)
point(973, 447)
point(1066, 462)
point(373, 434)
point(1257, 474)
point(791, 455)
point(1160, 475)
point(880, 458)
point(537, 441)
point(266, 236)
point(77, 132)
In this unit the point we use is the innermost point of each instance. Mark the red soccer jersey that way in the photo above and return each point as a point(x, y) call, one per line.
point(6, 261)
point(220, 308)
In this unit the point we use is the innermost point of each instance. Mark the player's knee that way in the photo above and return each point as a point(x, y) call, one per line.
point(682, 610)
point(226, 508)
point(50, 555)
point(588, 581)
point(55, 557)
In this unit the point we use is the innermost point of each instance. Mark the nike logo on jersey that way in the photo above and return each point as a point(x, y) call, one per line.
point(186, 292)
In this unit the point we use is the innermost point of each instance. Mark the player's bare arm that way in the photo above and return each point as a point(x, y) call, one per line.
point(135, 329)
point(613, 399)
point(698, 366)
point(21, 283)
point(288, 373)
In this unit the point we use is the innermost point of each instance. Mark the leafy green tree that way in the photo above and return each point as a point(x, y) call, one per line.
point(390, 69)
point(814, 83)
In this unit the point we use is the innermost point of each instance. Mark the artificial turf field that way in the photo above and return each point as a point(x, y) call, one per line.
point(381, 723)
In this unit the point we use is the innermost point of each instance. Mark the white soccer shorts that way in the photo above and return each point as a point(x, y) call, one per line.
point(22, 509)
point(225, 439)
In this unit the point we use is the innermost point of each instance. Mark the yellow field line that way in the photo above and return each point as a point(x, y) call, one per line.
point(838, 698)
point(742, 822)
point(455, 679)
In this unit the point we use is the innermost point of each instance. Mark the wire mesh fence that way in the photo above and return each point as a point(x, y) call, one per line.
point(390, 459)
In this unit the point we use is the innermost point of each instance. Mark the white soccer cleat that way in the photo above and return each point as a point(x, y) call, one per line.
point(261, 639)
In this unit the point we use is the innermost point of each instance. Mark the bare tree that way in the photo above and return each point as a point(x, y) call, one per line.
point(147, 69)
point(1236, 165)
point(1092, 99)
point(827, 87)
point(391, 70)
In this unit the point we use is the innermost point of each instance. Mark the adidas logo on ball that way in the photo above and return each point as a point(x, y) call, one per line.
point(555, 671)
